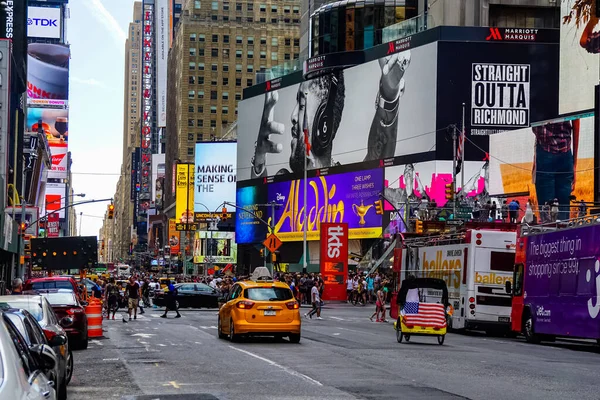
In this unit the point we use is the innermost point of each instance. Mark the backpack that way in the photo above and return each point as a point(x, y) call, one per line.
point(113, 290)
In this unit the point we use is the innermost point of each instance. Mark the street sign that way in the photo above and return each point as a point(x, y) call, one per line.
point(454, 222)
point(272, 242)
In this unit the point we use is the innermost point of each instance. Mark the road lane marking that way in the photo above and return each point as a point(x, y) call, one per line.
point(283, 368)
point(339, 319)
point(162, 345)
point(336, 334)
point(172, 383)
point(144, 335)
point(213, 327)
point(99, 343)
point(110, 359)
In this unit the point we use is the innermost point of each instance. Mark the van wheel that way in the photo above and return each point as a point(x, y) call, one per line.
point(529, 330)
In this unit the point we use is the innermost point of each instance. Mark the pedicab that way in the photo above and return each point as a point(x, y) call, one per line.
point(423, 305)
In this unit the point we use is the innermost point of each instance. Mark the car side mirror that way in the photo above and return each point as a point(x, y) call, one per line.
point(66, 322)
point(84, 303)
point(508, 287)
point(44, 355)
point(58, 340)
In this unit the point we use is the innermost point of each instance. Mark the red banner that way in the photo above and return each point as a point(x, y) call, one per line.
point(53, 225)
point(334, 259)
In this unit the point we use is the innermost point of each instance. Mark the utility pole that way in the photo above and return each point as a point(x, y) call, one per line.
point(454, 171)
point(462, 153)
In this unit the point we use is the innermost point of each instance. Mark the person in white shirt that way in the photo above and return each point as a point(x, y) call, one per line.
point(349, 288)
point(316, 303)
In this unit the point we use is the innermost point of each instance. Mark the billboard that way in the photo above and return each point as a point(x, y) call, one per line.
point(158, 179)
point(215, 176)
point(55, 198)
point(378, 110)
point(579, 48)
point(44, 22)
point(215, 247)
point(334, 259)
point(48, 71)
point(348, 197)
point(55, 124)
point(554, 160)
point(162, 51)
point(173, 236)
point(249, 228)
point(53, 225)
point(184, 196)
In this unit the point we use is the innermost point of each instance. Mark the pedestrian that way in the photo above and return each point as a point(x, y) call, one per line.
point(379, 304)
point(171, 304)
point(528, 218)
point(17, 286)
point(370, 288)
point(111, 297)
point(476, 210)
point(316, 303)
point(133, 296)
point(504, 211)
point(513, 210)
point(349, 288)
point(582, 209)
point(146, 293)
point(494, 212)
point(320, 287)
point(554, 210)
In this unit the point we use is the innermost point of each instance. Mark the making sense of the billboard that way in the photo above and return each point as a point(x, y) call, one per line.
point(215, 176)
point(562, 281)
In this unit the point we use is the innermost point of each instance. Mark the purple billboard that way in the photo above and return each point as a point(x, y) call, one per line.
point(348, 197)
point(562, 282)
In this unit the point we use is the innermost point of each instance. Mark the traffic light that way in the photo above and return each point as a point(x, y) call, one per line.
point(23, 227)
point(419, 226)
point(378, 207)
point(224, 214)
point(262, 252)
point(111, 211)
point(450, 191)
point(273, 257)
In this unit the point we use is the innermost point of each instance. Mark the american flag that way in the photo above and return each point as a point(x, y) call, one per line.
point(424, 314)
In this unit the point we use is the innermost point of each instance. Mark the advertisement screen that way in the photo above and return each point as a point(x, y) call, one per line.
point(378, 110)
point(348, 197)
point(162, 51)
point(249, 228)
point(43, 22)
point(579, 48)
point(55, 198)
point(552, 161)
point(158, 179)
point(48, 71)
point(184, 192)
point(55, 123)
point(53, 225)
point(218, 249)
point(174, 236)
point(215, 176)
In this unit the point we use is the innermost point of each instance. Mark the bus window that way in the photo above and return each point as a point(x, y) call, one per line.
point(518, 280)
point(502, 261)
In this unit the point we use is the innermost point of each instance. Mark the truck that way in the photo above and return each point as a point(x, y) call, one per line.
point(476, 264)
point(556, 283)
point(123, 270)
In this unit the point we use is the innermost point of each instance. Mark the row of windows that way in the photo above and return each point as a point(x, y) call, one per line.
point(226, 6)
point(213, 123)
point(239, 54)
point(215, 67)
point(239, 39)
point(224, 81)
point(201, 137)
point(263, 20)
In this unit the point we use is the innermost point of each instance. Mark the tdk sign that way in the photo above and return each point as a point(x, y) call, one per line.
point(44, 22)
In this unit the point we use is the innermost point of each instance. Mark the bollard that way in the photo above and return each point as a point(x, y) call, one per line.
point(94, 316)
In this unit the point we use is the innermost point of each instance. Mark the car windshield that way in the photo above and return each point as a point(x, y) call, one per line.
point(34, 307)
point(60, 298)
point(268, 294)
point(51, 285)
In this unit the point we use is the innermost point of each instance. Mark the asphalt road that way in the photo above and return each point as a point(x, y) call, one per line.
point(343, 356)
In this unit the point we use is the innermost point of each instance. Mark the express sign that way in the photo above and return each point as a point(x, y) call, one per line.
point(44, 22)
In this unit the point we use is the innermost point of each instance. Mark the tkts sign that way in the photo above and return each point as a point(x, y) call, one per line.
point(147, 116)
point(334, 259)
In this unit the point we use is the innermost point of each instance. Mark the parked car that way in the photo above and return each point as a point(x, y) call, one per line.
point(70, 311)
point(34, 336)
point(41, 311)
point(52, 282)
point(21, 367)
point(191, 295)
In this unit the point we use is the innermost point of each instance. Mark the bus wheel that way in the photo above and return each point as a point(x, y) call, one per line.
point(528, 330)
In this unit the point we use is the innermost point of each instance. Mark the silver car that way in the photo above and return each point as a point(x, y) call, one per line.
point(21, 376)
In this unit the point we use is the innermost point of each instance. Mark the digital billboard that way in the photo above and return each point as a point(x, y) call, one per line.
point(579, 48)
point(161, 27)
point(44, 22)
point(174, 236)
point(378, 110)
point(248, 226)
point(55, 125)
point(158, 179)
point(348, 197)
point(547, 162)
point(215, 247)
point(48, 71)
point(184, 196)
point(55, 198)
point(215, 176)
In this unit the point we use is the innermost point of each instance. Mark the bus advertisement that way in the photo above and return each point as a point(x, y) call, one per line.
point(556, 290)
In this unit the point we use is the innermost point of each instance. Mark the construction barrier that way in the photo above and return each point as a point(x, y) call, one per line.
point(94, 316)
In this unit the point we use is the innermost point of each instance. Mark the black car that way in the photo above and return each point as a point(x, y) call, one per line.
point(191, 295)
point(34, 336)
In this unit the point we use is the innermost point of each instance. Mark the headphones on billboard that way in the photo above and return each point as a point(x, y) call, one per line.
point(322, 130)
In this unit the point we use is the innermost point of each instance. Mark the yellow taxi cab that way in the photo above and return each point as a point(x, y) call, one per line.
point(164, 282)
point(262, 308)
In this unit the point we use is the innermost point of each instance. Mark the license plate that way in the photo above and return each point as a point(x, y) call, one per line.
point(503, 319)
point(267, 312)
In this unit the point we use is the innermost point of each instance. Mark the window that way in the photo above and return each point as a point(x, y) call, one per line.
point(263, 40)
point(288, 41)
point(190, 122)
point(225, 110)
point(263, 55)
point(263, 20)
point(192, 37)
point(199, 137)
point(287, 56)
point(250, 54)
point(238, 39)
point(225, 95)
point(274, 41)
point(214, 5)
point(192, 66)
point(201, 52)
point(296, 10)
point(190, 136)
point(191, 80)
point(265, 294)
point(226, 6)
point(200, 110)
point(200, 94)
point(296, 42)
point(262, 7)
point(250, 7)
point(248, 82)
point(296, 56)
point(250, 39)
point(238, 67)
point(201, 37)
point(238, 6)
point(213, 94)
point(502, 261)
point(213, 123)
point(191, 108)
point(274, 20)
point(225, 67)
point(224, 122)
point(274, 8)
point(200, 80)
point(215, 38)
point(197, 4)
point(238, 54)
point(200, 123)
point(273, 56)
point(213, 109)
point(225, 81)
point(214, 52)
point(226, 54)
point(200, 66)
point(214, 67)
point(213, 17)
point(190, 151)
point(238, 82)
point(250, 19)
point(286, 9)
point(250, 68)
point(238, 96)
point(225, 38)
point(213, 82)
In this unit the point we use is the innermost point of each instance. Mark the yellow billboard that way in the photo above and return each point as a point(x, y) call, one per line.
point(184, 194)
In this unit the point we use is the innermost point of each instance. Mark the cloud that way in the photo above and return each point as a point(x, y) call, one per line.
point(89, 81)
point(105, 17)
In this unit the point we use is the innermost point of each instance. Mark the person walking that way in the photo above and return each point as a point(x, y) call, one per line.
point(513, 210)
point(554, 210)
point(504, 211)
point(111, 298)
point(528, 218)
point(582, 209)
point(171, 301)
point(133, 296)
point(316, 303)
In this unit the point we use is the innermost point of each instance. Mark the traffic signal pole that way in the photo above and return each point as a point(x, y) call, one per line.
point(454, 172)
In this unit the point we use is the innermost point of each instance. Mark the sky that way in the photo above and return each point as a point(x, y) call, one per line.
point(96, 31)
